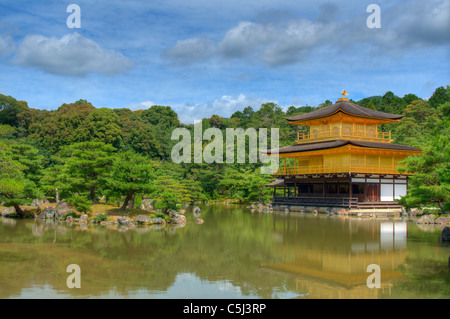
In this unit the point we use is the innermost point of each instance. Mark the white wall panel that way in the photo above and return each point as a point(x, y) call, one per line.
point(387, 192)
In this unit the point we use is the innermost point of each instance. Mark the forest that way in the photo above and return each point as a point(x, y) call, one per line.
point(82, 154)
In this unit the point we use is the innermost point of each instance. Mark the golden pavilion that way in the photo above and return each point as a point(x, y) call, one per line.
point(343, 161)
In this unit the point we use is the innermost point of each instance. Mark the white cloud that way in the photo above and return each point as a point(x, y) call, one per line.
point(72, 55)
point(224, 106)
point(141, 106)
point(6, 46)
point(275, 42)
point(190, 51)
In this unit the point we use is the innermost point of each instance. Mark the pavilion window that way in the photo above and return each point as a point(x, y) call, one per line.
point(358, 188)
point(343, 188)
point(305, 188)
point(332, 188)
point(317, 189)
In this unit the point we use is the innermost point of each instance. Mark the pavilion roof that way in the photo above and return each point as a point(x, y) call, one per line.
point(338, 143)
point(346, 107)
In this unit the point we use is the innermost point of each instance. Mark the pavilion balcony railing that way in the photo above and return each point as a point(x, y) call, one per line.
point(370, 135)
point(338, 168)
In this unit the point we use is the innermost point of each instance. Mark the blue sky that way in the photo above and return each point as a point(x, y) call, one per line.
point(205, 57)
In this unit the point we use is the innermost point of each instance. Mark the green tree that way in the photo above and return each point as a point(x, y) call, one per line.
point(81, 203)
point(440, 96)
point(103, 126)
point(65, 126)
point(418, 125)
point(391, 103)
point(131, 174)
point(163, 120)
point(57, 182)
point(89, 165)
point(31, 158)
point(169, 193)
point(140, 137)
point(430, 184)
point(10, 108)
point(15, 188)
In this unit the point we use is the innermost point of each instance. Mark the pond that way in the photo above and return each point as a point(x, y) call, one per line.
point(235, 253)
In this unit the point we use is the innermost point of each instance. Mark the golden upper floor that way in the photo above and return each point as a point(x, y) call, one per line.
point(344, 120)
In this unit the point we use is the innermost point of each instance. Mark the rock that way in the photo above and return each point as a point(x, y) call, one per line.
point(415, 212)
point(131, 224)
point(173, 213)
point(442, 220)
point(179, 219)
point(147, 205)
point(403, 212)
point(59, 214)
point(42, 215)
point(199, 221)
point(122, 220)
point(142, 219)
point(446, 234)
point(182, 211)
point(30, 214)
point(157, 220)
point(84, 217)
point(8, 211)
point(426, 219)
point(61, 206)
point(39, 202)
point(196, 210)
point(103, 223)
point(49, 212)
point(69, 219)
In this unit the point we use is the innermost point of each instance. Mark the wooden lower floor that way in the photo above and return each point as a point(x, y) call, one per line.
point(350, 191)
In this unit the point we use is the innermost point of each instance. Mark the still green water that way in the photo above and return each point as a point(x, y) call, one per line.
point(236, 253)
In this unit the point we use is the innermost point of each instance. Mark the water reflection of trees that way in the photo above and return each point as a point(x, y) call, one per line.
point(241, 248)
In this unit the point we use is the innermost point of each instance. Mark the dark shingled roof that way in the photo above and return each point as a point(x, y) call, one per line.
point(337, 143)
point(277, 183)
point(345, 106)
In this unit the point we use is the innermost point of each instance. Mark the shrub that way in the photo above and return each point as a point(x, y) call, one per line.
point(70, 213)
point(100, 218)
point(161, 215)
point(81, 203)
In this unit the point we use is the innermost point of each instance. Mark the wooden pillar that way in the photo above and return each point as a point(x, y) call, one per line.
point(350, 190)
point(365, 189)
point(324, 194)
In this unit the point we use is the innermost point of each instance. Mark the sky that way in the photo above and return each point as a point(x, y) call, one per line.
point(205, 57)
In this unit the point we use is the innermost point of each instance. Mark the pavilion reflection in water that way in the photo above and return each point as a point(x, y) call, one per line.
point(337, 267)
